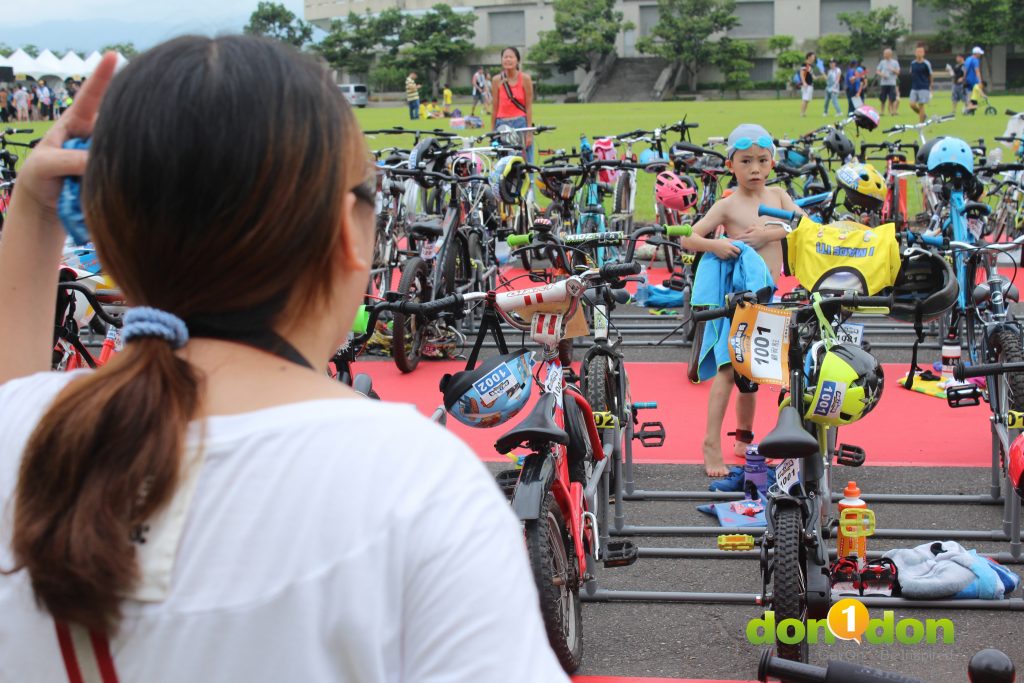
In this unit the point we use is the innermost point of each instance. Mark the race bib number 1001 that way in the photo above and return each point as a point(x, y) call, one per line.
point(759, 344)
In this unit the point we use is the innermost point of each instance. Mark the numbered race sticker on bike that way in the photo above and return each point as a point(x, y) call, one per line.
point(759, 344)
point(499, 381)
point(788, 474)
point(850, 333)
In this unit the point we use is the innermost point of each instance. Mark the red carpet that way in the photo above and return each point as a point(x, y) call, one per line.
point(906, 428)
point(616, 679)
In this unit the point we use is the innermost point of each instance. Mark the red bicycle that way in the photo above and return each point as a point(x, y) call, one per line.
point(555, 492)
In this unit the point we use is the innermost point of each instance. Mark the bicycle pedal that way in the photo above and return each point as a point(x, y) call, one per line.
point(735, 542)
point(620, 553)
point(844, 576)
point(963, 395)
point(878, 577)
point(651, 435)
point(507, 481)
point(849, 455)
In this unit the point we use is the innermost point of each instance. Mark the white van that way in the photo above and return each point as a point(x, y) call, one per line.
point(357, 93)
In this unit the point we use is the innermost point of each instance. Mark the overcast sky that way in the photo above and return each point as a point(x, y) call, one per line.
point(88, 24)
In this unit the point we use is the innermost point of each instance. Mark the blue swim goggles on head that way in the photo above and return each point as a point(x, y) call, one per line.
point(762, 141)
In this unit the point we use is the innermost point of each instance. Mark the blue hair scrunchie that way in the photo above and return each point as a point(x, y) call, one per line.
point(144, 321)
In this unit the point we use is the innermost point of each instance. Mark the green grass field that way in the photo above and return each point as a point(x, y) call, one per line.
point(716, 118)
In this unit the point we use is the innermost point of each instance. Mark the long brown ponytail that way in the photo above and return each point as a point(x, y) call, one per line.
point(214, 186)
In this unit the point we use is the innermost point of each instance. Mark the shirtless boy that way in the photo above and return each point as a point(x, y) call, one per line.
point(750, 154)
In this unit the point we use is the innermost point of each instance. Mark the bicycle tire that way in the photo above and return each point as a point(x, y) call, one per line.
point(380, 281)
point(789, 592)
point(406, 332)
point(1006, 346)
point(603, 396)
point(553, 562)
point(623, 188)
point(522, 227)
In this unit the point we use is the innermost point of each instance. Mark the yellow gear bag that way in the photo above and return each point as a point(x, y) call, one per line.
point(842, 257)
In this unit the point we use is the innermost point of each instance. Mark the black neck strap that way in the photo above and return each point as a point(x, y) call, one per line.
point(249, 327)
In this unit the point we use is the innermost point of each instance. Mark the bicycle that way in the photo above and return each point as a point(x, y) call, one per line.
point(9, 167)
point(929, 192)
point(797, 577)
point(894, 209)
point(551, 494)
point(653, 160)
point(604, 380)
point(986, 666)
point(69, 351)
point(453, 255)
point(390, 226)
point(1007, 219)
point(961, 222)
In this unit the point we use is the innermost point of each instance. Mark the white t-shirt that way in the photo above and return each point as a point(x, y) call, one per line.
point(330, 540)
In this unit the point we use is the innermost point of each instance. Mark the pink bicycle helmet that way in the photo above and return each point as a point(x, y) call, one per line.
point(866, 117)
point(674, 191)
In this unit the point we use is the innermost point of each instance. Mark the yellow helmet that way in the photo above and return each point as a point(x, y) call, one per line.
point(863, 186)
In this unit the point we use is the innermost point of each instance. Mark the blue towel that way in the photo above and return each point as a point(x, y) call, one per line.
point(715, 278)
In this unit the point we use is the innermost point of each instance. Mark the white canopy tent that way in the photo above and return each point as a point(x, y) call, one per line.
point(92, 60)
point(74, 65)
point(22, 63)
point(47, 66)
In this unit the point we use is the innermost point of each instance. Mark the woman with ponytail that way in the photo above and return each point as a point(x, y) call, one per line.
point(209, 506)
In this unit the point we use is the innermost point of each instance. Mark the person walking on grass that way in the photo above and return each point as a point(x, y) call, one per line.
point(959, 91)
point(833, 84)
point(806, 82)
point(412, 96)
point(972, 75)
point(888, 72)
point(920, 83)
point(512, 92)
point(481, 91)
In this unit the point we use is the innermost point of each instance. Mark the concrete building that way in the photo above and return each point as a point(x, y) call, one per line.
point(515, 22)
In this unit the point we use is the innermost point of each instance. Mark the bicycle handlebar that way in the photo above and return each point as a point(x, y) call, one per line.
point(834, 672)
point(772, 212)
point(697, 149)
point(413, 172)
point(962, 372)
point(90, 296)
point(844, 301)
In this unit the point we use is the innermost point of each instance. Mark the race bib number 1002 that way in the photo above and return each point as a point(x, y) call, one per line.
point(759, 344)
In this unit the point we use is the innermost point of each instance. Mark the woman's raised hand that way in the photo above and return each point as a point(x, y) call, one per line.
point(40, 179)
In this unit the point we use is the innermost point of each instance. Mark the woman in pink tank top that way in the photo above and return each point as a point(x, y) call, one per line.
point(512, 94)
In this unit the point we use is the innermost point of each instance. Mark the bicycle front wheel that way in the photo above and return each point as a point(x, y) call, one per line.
point(407, 334)
point(789, 585)
point(622, 210)
point(1006, 346)
point(553, 560)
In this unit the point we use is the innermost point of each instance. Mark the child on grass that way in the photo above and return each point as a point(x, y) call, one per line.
point(750, 155)
point(977, 95)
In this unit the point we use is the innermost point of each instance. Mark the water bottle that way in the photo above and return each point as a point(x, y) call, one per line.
point(501, 252)
point(950, 358)
point(851, 545)
point(755, 474)
point(641, 289)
